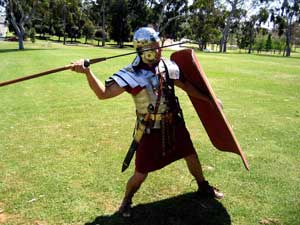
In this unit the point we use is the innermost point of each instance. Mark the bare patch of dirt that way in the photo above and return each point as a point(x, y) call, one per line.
point(270, 221)
point(3, 217)
point(40, 223)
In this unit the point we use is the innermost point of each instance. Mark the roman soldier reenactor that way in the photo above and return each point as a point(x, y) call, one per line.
point(160, 136)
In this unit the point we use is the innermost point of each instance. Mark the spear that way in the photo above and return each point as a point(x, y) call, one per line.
point(87, 63)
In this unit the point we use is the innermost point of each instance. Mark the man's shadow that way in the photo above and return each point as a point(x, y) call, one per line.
point(186, 209)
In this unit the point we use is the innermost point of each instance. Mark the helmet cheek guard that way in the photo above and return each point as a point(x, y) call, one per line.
point(149, 56)
point(142, 40)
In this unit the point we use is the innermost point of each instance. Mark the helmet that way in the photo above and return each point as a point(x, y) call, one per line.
point(143, 38)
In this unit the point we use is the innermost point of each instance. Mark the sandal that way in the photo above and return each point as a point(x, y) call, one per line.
point(125, 209)
point(206, 190)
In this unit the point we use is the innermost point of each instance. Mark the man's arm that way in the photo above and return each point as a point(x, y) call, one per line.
point(102, 91)
point(191, 90)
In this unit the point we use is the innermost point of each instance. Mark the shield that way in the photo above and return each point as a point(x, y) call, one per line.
point(210, 114)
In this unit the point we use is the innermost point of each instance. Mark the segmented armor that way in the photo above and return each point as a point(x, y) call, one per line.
point(147, 83)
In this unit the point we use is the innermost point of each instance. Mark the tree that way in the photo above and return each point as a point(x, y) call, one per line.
point(174, 14)
point(241, 39)
point(32, 35)
point(278, 44)
point(235, 12)
point(259, 44)
point(99, 13)
point(205, 21)
point(20, 13)
point(56, 22)
point(139, 13)
point(284, 17)
point(296, 34)
point(167, 17)
point(120, 28)
point(234, 6)
point(71, 18)
point(252, 26)
point(42, 18)
point(88, 30)
point(100, 35)
point(59, 30)
point(269, 43)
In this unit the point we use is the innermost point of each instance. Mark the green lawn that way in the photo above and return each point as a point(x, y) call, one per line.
point(61, 148)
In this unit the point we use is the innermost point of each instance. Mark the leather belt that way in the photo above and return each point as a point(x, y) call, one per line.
point(158, 116)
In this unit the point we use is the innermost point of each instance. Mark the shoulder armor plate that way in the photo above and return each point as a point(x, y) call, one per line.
point(129, 77)
point(173, 69)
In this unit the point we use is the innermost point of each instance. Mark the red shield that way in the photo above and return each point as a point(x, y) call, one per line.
point(211, 115)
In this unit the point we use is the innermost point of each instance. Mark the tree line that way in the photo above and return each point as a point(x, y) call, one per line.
point(220, 22)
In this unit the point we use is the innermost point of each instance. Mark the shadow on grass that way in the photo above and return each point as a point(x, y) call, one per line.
point(277, 56)
point(24, 50)
point(187, 209)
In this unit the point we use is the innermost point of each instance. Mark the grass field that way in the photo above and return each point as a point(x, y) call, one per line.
point(61, 148)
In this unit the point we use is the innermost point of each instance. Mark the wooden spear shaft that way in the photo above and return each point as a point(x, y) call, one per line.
point(35, 75)
point(59, 69)
point(86, 64)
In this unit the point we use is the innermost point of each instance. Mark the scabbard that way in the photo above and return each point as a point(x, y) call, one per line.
point(133, 147)
point(135, 143)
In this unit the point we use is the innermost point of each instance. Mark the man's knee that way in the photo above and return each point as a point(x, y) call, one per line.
point(191, 157)
point(140, 177)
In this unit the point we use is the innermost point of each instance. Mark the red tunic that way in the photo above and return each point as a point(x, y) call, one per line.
point(149, 155)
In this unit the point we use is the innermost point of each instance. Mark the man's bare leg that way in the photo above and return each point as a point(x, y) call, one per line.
point(195, 167)
point(132, 187)
point(204, 188)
